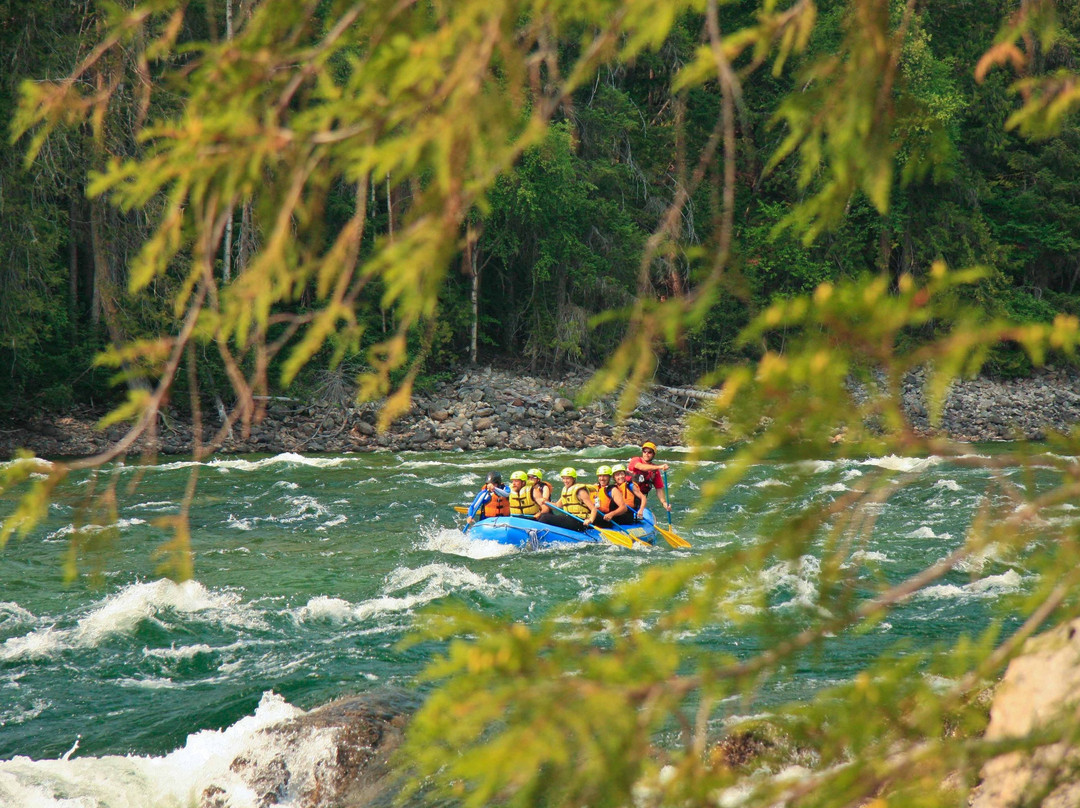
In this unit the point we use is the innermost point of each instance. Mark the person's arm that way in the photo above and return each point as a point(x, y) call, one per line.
point(663, 498)
point(499, 492)
point(643, 466)
point(478, 505)
point(642, 497)
point(540, 497)
point(586, 499)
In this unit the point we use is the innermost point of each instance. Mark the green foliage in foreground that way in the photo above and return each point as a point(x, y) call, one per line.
point(569, 711)
point(810, 132)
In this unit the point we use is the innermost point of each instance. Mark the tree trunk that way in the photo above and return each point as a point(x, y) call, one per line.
point(247, 237)
point(226, 264)
point(474, 294)
point(99, 278)
point(73, 259)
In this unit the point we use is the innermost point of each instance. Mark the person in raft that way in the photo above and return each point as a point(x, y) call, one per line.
point(576, 499)
point(646, 473)
point(631, 494)
point(539, 490)
point(492, 500)
point(521, 496)
point(610, 501)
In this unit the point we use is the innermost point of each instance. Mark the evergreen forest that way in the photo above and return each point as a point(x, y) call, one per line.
point(558, 250)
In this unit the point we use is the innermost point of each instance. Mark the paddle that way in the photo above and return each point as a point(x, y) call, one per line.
point(477, 504)
point(670, 536)
point(612, 536)
point(626, 532)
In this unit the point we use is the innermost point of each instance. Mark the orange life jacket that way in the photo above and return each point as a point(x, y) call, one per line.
point(497, 506)
point(632, 500)
point(604, 501)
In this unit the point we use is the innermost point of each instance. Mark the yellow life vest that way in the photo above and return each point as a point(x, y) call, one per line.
point(522, 503)
point(570, 503)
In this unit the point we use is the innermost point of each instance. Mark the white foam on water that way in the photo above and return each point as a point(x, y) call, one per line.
point(835, 488)
point(289, 458)
point(180, 778)
point(163, 683)
point(437, 581)
point(992, 586)
point(160, 505)
point(897, 463)
point(239, 464)
point(801, 579)
point(35, 645)
point(240, 524)
point(461, 481)
point(869, 556)
point(12, 614)
point(303, 508)
point(123, 611)
point(926, 532)
point(977, 562)
point(454, 542)
point(325, 608)
point(769, 483)
point(21, 715)
point(337, 520)
point(443, 579)
point(441, 464)
point(67, 530)
point(852, 474)
point(818, 466)
point(948, 485)
point(183, 652)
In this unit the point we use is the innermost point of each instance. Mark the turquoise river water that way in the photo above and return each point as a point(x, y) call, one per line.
point(309, 571)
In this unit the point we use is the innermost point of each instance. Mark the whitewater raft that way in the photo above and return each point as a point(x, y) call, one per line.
point(521, 531)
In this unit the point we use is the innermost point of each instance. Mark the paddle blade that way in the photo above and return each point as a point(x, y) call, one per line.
point(673, 538)
point(461, 509)
point(615, 537)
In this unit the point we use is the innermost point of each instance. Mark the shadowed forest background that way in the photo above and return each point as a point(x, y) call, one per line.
point(561, 236)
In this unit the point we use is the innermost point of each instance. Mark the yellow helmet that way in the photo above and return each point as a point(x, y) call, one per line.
point(518, 475)
point(617, 469)
point(569, 471)
point(649, 445)
point(600, 472)
point(536, 473)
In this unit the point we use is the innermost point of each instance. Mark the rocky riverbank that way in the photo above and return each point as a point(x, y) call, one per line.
point(486, 408)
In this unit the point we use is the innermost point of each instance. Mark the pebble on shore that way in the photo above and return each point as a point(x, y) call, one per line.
point(488, 409)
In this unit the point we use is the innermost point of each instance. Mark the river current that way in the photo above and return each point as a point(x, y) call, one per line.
point(310, 569)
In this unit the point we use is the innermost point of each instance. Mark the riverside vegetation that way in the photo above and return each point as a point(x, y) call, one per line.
point(768, 196)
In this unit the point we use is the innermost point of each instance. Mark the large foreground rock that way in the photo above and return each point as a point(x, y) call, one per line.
point(335, 756)
point(1041, 686)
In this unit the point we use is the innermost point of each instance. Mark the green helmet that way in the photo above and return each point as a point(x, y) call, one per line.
point(518, 475)
point(536, 473)
point(617, 469)
point(600, 472)
point(569, 471)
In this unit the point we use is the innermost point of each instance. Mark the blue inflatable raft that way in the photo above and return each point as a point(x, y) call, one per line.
point(522, 531)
